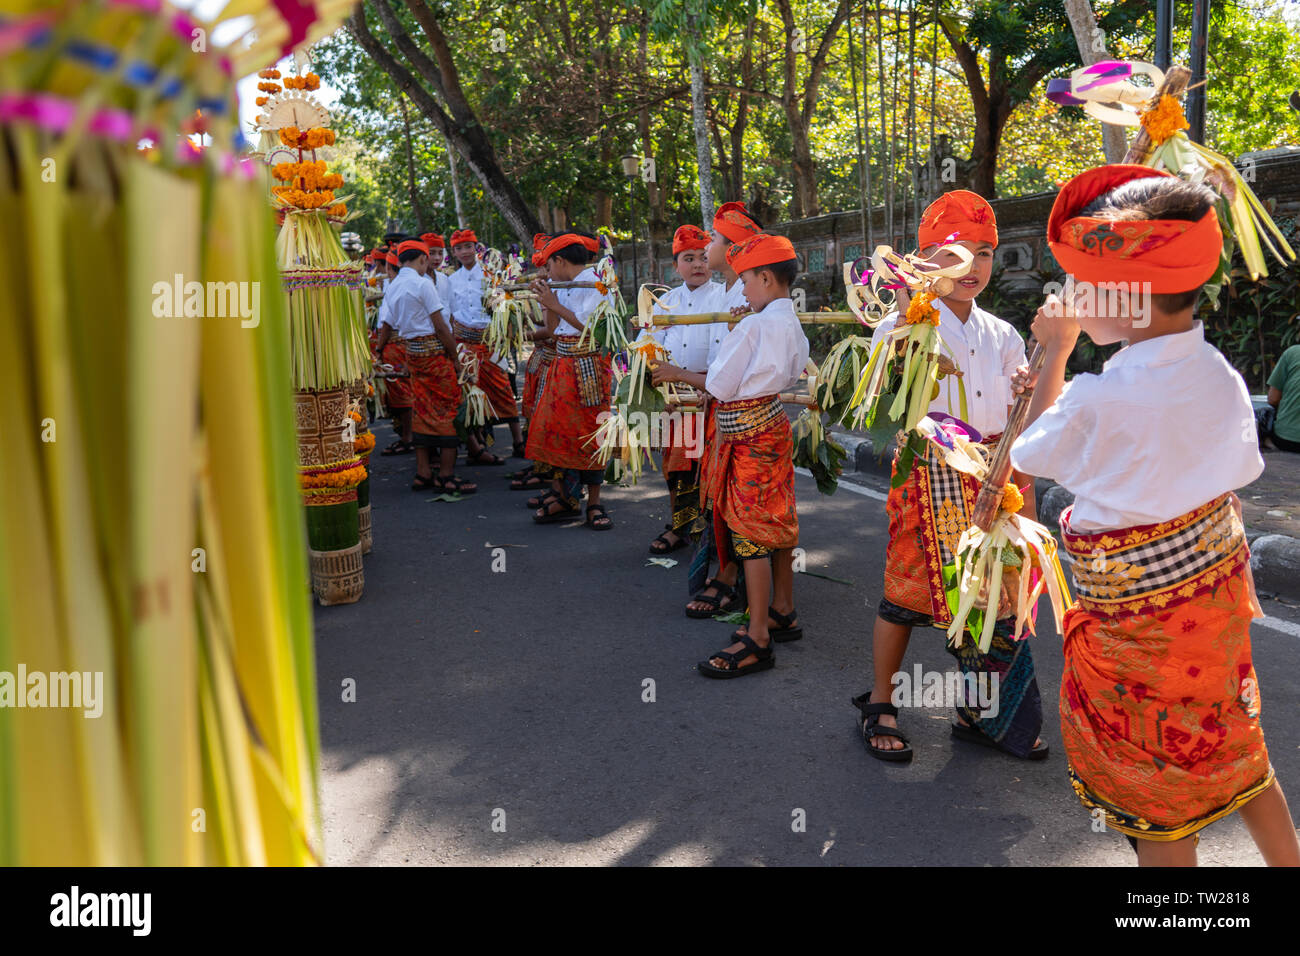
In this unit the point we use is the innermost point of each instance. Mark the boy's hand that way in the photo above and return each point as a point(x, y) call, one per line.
point(663, 372)
point(1054, 326)
point(1023, 380)
point(545, 294)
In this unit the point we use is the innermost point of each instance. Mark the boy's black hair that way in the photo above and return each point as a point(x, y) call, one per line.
point(1157, 198)
point(410, 255)
point(576, 253)
point(786, 272)
point(393, 238)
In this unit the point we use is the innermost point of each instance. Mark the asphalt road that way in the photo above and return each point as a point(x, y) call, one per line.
point(499, 715)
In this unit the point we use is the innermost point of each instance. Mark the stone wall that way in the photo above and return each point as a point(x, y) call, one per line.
point(824, 243)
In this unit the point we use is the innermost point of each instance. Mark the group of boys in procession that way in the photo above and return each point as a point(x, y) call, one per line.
point(1159, 705)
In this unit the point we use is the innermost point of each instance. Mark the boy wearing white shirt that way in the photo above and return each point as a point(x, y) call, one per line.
point(751, 471)
point(731, 224)
point(390, 349)
point(691, 347)
point(1159, 701)
point(434, 366)
point(469, 321)
point(931, 508)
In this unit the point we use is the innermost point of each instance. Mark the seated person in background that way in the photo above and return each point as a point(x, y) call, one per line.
point(1284, 395)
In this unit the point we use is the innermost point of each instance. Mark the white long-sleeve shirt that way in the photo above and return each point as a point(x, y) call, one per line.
point(691, 347)
point(987, 350)
point(764, 354)
point(465, 296)
point(1166, 427)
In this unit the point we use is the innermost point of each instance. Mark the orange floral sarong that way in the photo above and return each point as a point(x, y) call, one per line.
point(398, 389)
point(491, 377)
point(1159, 702)
point(435, 394)
point(751, 478)
point(571, 399)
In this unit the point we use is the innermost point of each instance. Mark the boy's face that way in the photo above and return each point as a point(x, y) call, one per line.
point(716, 252)
point(464, 253)
point(693, 266)
point(762, 287)
point(435, 257)
point(974, 282)
point(1110, 312)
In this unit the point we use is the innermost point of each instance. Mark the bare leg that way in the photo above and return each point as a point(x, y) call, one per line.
point(758, 586)
point(782, 580)
point(727, 574)
point(888, 645)
point(446, 462)
point(1268, 819)
point(404, 423)
point(1178, 853)
point(517, 434)
point(423, 463)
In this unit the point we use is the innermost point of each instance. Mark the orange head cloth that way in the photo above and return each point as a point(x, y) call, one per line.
point(759, 250)
point(734, 223)
point(433, 240)
point(410, 244)
point(690, 237)
point(1173, 255)
point(962, 215)
point(392, 260)
point(555, 243)
point(540, 239)
point(463, 235)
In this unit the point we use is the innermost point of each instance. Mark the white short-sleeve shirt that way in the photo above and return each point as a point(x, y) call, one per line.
point(581, 302)
point(763, 355)
point(411, 302)
point(465, 296)
point(692, 347)
point(1165, 428)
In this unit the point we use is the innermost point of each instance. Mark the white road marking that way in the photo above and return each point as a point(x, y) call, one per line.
point(1277, 624)
point(849, 486)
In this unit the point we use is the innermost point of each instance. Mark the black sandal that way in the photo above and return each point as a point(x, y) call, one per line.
point(456, 486)
point(975, 736)
point(602, 515)
point(528, 482)
point(786, 629)
point(424, 484)
point(398, 447)
point(734, 600)
point(766, 660)
point(667, 548)
point(479, 459)
point(538, 501)
point(550, 517)
point(871, 728)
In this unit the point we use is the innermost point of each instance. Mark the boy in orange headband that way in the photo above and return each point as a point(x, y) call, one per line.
point(691, 347)
point(930, 510)
point(389, 348)
point(469, 321)
point(576, 390)
point(434, 366)
point(538, 474)
point(731, 224)
point(751, 471)
point(1159, 702)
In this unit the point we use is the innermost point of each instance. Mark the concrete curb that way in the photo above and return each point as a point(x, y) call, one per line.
point(1274, 558)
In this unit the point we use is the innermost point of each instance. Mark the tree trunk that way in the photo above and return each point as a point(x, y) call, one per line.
point(1092, 47)
point(455, 184)
point(416, 206)
point(703, 152)
point(457, 123)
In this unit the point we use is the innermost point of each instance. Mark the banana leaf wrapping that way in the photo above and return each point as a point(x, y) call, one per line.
point(150, 514)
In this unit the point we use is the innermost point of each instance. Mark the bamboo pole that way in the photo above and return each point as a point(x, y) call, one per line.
point(704, 318)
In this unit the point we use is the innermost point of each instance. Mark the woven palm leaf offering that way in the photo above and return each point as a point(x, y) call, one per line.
point(475, 411)
point(1006, 567)
point(1106, 92)
point(327, 327)
point(512, 312)
point(901, 377)
point(150, 520)
point(635, 424)
point(606, 327)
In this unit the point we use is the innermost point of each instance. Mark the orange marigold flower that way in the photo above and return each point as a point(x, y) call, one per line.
point(1164, 119)
point(1012, 499)
point(921, 309)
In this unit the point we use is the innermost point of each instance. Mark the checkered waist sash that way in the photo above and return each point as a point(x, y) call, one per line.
point(470, 334)
point(747, 417)
point(423, 345)
point(567, 345)
point(1152, 567)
